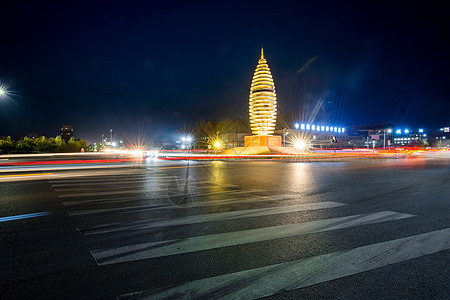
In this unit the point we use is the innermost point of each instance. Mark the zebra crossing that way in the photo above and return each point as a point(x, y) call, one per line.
point(156, 201)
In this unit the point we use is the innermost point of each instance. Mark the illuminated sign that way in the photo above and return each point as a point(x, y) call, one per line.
point(319, 128)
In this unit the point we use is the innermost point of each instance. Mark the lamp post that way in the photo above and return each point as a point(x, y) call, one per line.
point(189, 143)
point(384, 140)
point(284, 137)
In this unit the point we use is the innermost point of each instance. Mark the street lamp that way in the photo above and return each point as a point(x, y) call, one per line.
point(3, 92)
point(384, 136)
point(189, 143)
point(284, 137)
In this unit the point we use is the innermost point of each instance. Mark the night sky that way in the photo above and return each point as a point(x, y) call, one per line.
point(148, 68)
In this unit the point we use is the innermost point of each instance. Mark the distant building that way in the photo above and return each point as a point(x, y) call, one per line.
point(440, 138)
point(66, 132)
point(315, 135)
point(375, 135)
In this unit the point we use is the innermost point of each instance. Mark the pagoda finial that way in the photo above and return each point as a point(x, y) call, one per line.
point(262, 53)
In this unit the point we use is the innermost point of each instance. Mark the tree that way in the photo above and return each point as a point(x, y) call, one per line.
point(25, 145)
point(7, 145)
point(42, 145)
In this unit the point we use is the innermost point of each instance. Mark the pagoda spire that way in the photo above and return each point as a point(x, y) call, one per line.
point(262, 100)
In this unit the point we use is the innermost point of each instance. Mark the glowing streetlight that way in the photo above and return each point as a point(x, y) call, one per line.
point(300, 145)
point(217, 145)
point(3, 92)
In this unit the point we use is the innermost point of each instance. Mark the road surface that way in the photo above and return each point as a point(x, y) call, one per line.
point(227, 229)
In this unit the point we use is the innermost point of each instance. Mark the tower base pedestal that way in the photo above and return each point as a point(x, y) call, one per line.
point(262, 141)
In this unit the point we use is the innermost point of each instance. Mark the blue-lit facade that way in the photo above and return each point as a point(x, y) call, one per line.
point(407, 136)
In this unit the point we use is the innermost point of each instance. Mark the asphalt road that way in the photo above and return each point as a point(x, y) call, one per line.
point(232, 229)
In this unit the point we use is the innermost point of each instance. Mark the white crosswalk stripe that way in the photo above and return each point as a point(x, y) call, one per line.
point(167, 202)
point(142, 191)
point(266, 281)
point(172, 247)
point(158, 205)
point(249, 213)
point(191, 205)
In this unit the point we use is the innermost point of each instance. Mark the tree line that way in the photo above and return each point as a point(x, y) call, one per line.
point(42, 144)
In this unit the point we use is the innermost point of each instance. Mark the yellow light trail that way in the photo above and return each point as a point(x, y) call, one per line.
point(20, 175)
point(183, 167)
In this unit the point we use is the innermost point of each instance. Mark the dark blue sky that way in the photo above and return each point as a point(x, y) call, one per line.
point(152, 67)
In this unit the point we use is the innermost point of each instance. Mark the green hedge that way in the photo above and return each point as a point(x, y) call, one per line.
point(40, 145)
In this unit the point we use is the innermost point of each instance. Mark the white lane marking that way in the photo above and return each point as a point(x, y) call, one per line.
point(103, 193)
point(76, 184)
point(151, 191)
point(111, 200)
point(26, 216)
point(248, 213)
point(132, 184)
point(200, 203)
point(108, 210)
point(171, 206)
point(269, 280)
point(157, 206)
point(105, 179)
point(89, 185)
point(128, 185)
point(200, 243)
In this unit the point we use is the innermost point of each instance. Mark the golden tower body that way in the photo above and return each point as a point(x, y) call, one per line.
point(262, 107)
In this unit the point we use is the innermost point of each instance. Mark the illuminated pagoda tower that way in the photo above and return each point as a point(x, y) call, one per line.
point(262, 107)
